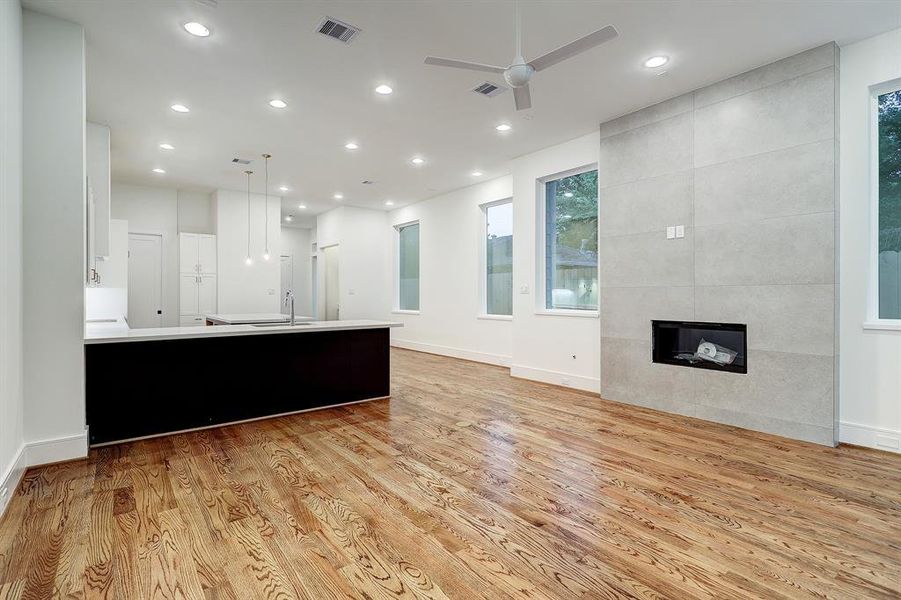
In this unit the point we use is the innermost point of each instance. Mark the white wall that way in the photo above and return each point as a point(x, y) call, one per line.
point(109, 300)
point(557, 349)
point(243, 288)
point(54, 237)
point(450, 231)
point(11, 401)
point(195, 212)
point(296, 243)
point(364, 261)
point(153, 210)
point(870, 377)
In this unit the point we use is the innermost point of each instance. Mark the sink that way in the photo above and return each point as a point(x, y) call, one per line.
point(280, 324)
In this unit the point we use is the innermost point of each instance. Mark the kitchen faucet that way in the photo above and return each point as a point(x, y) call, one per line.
point(289, 297)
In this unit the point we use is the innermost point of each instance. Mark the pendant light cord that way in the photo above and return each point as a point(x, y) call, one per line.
point(266, 205)
point(248, 173)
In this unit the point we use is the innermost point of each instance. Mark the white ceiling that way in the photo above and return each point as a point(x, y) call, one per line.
point(140, 61)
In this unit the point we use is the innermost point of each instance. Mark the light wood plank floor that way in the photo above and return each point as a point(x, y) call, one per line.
point(467, 484)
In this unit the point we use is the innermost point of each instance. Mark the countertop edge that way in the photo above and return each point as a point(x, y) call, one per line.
point(216, 331)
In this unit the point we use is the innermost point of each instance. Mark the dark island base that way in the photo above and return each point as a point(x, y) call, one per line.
point(143, 388)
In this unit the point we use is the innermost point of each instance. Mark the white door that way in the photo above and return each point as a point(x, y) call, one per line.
point(206, 295)
point(287, 278)
point(314, 280)
point(187, 252)
point(145, 280)
point(188, 294)
point(207, 253)
point(332, 306)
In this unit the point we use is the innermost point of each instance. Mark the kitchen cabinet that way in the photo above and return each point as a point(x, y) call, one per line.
point(197, 290)
point(97, 153)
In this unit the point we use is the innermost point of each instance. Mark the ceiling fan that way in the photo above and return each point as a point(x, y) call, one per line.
point(520, 72)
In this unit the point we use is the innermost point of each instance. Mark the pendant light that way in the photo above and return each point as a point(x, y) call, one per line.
point(266, 207)
point(248, 260)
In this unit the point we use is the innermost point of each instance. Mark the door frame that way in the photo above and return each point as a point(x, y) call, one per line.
point(323, 269)
point(163, 273)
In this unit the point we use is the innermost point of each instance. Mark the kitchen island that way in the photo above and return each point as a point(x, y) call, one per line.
point(156, 381)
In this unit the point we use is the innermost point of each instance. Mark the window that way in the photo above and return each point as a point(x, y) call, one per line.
point(497, 257)
point(570, 265)
point(888, 211)
point(408, 266)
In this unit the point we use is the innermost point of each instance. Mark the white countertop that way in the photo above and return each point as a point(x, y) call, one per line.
point(103, 334)
point(245, 318)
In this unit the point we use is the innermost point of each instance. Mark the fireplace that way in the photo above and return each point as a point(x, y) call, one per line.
point(715, 346)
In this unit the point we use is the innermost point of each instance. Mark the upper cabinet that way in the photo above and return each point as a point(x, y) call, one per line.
point(98, 167)
point(196, 253)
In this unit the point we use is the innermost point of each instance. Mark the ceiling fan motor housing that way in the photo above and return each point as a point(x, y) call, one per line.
point(518, 75)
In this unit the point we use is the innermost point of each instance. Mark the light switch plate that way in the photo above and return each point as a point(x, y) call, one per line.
point(670, 232)
point(680, 231)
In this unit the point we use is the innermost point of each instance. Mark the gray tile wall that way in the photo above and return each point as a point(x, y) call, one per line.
point(748, 166)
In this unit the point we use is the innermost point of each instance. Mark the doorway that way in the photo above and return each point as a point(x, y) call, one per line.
point(145, 280)
point(332, 289)
point(314, 281)
point(287, 278)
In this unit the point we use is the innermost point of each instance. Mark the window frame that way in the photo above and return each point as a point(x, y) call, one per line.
point(396, 309)
point(483, 262)
point(540, 306)
point(873, 320)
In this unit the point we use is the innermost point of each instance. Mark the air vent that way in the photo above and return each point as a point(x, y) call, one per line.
point(367, 182)
point(241, 161)
point(338, 30)
point(489, 89)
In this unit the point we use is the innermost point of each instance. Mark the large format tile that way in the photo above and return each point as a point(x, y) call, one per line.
point(779, 385)
point(783, 318)
point(628, 312)
point(795, 181)
point(645, 259)
point(646, 116)
point(647, 205)
point(817, 434)
point(628, 375)
point(787, 68)
point(655, 149)
point(797, 249)
point(794, 112)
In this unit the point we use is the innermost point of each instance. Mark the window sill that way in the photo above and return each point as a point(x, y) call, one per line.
point(404, 312)
point(883, 325)
point(487, 317)
point(560, 312)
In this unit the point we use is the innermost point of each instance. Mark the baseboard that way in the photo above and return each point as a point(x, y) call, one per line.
point(579, 382)
point(482, 357)
point(888, 440)
point(11, 477)
point(53, 450)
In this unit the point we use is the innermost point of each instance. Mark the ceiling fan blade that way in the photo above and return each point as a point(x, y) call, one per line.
point(522, 97)
point(571, 49)
point(462, 64)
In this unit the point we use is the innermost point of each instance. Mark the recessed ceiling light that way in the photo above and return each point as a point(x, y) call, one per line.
point(503, 127)
point(476, 173)
point(283, 188)
point(351, 146)
point(180, 108)
point(198, 29)
point(389, 203)
point(656, 61)
point(417, 160)
point(338, 196)
point(567, 194)
point(289, 218)
point(276, 103)
point(167, 146)
point(302, 206)
point(383, 89)
point(160, 171)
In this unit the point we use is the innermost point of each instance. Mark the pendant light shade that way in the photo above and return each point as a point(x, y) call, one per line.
point(248, 260)
point(266, 207)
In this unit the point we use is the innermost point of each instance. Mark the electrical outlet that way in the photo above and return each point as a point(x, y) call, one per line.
point(670, 232)
point(680, 231)
point(523, 289)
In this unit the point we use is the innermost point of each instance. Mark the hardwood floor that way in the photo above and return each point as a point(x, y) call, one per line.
point(466, 484)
